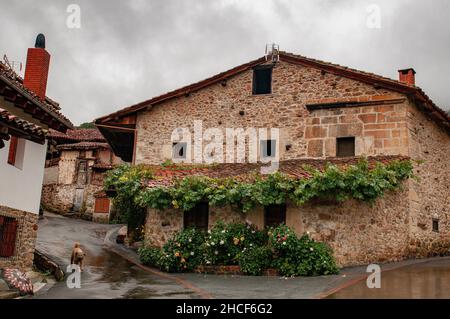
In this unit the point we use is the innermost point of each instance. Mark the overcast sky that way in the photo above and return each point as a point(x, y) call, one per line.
point(128, 51)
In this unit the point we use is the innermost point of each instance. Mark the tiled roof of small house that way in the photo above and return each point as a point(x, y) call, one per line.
point(436, 113)
point(298, 168)
point(48, 106)
point(83, 146)
point(77, 135)
point(21, 125)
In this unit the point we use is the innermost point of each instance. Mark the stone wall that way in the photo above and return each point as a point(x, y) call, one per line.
point(233, 106)
point(429, 196)
point(25, 240)
point(379, 129)
point(59, 198)
point(358, 232)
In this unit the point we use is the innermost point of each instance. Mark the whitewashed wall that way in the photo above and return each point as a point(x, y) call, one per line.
point(20, 188)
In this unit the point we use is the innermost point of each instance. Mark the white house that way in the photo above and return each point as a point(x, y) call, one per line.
point(26, 114)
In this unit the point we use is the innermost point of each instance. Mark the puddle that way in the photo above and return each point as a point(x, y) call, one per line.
point(424, 280)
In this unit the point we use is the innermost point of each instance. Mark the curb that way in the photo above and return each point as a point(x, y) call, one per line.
point(45, 263)
point(129, 257)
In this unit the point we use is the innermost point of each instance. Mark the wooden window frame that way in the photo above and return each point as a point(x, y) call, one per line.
point(198, 217)
point(340, 152)
point(9, 232)
point(282, 217)
point(255, 82)
point(12, 153)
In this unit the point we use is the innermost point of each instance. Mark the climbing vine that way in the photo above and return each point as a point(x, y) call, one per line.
point(353, 182)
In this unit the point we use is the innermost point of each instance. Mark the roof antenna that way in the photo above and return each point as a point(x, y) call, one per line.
point(272, 52)
point(12, 66)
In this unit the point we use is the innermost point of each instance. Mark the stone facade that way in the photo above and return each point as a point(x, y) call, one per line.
point(25, 240)
point(383, 122)
point(70, 183)
point(308, 134)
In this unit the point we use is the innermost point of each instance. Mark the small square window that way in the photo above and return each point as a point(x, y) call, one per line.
point(436, 225)
point(262, 80)
point(197, 217)
point(345, 146)
point(179, 150)
point(274, 215)
point(268, 148)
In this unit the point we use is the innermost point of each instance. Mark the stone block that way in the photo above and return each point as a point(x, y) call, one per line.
point(315, 148)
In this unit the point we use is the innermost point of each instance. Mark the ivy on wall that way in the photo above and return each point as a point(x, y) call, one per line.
point(353, 182)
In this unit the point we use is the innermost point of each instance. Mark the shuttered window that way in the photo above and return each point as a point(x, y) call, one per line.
point(262, 80)
point(345, 146)
point(12, 150)
point(101, 205)
point(8, 234)
point(197, 217)
point(274, 215)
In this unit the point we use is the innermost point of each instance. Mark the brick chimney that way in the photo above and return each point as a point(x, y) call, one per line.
point(36, 70)
point(407, 76)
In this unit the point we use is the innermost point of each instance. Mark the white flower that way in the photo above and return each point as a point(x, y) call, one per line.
point(310, 248)
point(190, 240)
point(284, 243)
point(229, 254)
point(216, 252)
point(208, 262)
point(207, 244)
point(251, 245)
point(192, 253)
point(223, 231)
point(212, 243)
point(209, 231)
point(253, 231)
point(308, 233)
point(222, 242)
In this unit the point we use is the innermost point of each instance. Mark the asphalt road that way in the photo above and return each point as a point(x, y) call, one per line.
point(113, 271)
point(106, 274)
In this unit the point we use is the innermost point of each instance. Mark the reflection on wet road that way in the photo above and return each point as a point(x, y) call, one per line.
point(429, 279)
point(106, 275)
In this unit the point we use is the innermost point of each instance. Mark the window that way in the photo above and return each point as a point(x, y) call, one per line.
point(197, 217)
point(8, 233)
point(268, 148)
point(436, 225)
point(345, 146)
point(101, 205)
point(262, 80)
point(179, 150)
point(274, 215)
point(16, 151)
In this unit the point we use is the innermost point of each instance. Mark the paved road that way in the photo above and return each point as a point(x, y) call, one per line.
point(112, 271)
point(106, 275)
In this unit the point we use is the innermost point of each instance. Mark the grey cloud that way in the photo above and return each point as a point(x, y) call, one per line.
point(129, 51)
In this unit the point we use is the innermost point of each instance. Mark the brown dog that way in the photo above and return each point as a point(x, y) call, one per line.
point(77, 256)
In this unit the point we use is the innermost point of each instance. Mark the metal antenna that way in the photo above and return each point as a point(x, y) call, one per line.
point(272, 52)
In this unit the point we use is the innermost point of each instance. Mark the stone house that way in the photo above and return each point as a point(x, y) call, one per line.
point(74, 171)
point(26, 114)
point(325, 112)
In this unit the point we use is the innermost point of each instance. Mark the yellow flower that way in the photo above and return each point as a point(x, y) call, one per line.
point(242, 238)
point(236, 240)
point(177, 254)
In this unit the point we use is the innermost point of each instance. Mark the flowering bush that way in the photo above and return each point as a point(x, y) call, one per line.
point(282, 238)
point(225, 242)
point(255, 260)
point(183, 252)
point(240, 244)
point(150, 256)
point(300, 256)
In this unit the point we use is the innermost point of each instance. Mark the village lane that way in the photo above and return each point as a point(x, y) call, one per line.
point(106, 274)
